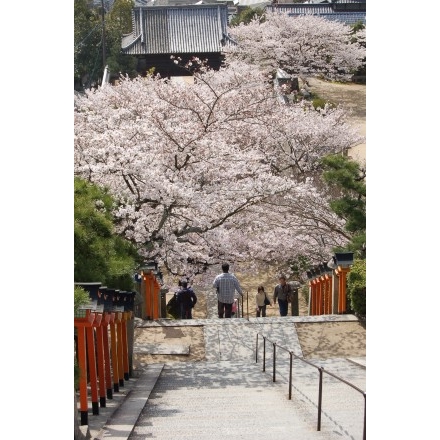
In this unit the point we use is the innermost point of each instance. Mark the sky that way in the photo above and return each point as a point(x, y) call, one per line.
point(36, 219)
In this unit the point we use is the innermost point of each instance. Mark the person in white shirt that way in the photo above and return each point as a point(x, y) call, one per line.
point(226, 284)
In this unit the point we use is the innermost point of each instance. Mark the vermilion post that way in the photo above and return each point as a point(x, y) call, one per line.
point(107, 364)
point(328, 295)
point(147, 300)
point(340, 290)
point(125, 318)
point(318, 297)
point(114, 351)
point(120, 356)
point(344, 289)
point(323, 298)
point(156, 296)
point(313, 295)
point(99, 324)
point(82, 364)
point(92, 368)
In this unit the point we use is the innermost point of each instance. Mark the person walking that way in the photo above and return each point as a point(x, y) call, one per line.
point(283, 292)
point(226, 284)
point(260, 300)
point(187, 299)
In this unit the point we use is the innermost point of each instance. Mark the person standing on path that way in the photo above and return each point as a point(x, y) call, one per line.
point(283, 292)
point(187, 299)
point(259, 300)
point(226, 284)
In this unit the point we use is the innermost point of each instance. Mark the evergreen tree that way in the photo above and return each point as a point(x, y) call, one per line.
point(100, 254)
point(347, 177)
point(246, 15)
point(87, 41)
point(119, 22)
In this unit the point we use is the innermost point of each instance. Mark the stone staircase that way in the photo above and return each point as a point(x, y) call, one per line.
point(229, 395)
point(226, 399)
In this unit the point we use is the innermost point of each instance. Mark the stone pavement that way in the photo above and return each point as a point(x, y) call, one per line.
point(215, 400)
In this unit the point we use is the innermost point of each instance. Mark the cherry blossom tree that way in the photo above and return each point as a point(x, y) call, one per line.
point(303, 46)
point(211, 171)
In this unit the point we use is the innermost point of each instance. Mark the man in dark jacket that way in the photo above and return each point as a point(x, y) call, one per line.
point(283, 292)
point(187, 299)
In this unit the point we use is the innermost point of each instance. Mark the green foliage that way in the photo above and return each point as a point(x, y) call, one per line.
point(119, 63)
point(81, 297)
point(100, 254)
point(356, 27)
point(345, 176)
point(357, 287)
point(119, 17)
point(87, 41)
point(246, 16)
point(299, 266)
point(118, 23)
point(318, 103)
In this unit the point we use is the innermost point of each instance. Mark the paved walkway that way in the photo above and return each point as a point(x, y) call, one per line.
point(218, 400)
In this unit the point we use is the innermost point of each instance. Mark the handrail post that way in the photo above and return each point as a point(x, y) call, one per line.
point(321, 369)
point(247, 304)
point(274, 363)
point(321, 375)
point(256, 351)
point(290, 375)
point(364, 437)
point(264, 353)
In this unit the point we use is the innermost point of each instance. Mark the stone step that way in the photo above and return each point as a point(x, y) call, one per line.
point(122, 421)
point(227, 398)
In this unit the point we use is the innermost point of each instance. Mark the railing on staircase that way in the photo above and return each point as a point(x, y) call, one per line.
point(321, 373)
point(241, 308)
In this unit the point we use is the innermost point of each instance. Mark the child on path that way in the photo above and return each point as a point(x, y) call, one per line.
point(234, 308)
point(259, 301)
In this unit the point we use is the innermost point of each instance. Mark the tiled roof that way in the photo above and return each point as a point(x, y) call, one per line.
point(150, 3)
point(346, 17)
point(302, 9)
point(253, 3)
point(323, 10)
point(177, 29)
point(351, 1)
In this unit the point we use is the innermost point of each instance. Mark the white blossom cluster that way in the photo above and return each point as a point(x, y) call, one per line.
point(212, 171)
point(304, 45)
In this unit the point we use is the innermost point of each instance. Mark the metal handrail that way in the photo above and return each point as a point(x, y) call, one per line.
point(321, 371)
point(241, 309)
